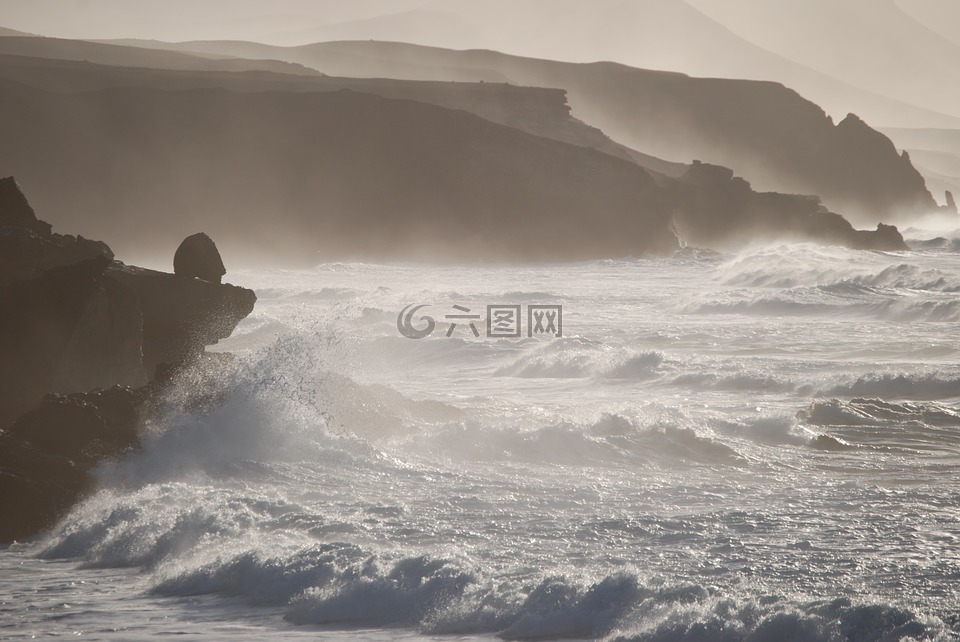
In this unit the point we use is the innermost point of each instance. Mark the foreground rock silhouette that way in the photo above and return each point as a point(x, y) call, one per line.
point(83, 338)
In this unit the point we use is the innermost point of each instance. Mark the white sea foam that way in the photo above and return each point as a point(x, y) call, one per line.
point(742, 448)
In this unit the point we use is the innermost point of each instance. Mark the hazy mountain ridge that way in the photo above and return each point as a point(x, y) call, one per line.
point(770, 134)
point(702, 38)
point(536, 110)
point(697, 38)
point(876, 45)
point(331, 175)
point(186, 145)
point(12, 32)
point(114, 55)
point(937, 15)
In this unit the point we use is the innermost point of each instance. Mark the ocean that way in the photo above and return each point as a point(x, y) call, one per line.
point(757, 446)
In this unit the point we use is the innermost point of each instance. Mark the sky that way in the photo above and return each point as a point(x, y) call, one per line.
point(282, 21)
point(274, 21)
point(836, 52)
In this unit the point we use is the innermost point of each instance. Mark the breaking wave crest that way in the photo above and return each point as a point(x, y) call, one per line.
point(345, 586)
point(576, 357)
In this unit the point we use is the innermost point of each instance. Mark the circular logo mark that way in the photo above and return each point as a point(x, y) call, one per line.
point(405, 323)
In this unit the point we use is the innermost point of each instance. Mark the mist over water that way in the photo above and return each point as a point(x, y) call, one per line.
point(758, 446)
point(757, 442)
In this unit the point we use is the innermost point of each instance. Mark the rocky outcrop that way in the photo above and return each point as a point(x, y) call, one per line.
point(66, 327)
point(860, 167)
point(720, 210)
point(198, 257)
point(81, 336)
point(47, 454)
point(951, 203)
point(26, 254)
point(28, 248)
point(15, 210)
point(181, 316)
point(70, 329)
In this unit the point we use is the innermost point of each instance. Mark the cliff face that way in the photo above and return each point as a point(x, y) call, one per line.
point(181, 315)
point(65, 326)
point(718, 209)
point(378, 169)
point(301, 177)
point(75, 320)
point(536, 110)
point(863, 159)
point(774, 137)
point(27, 246)
point(77, 333)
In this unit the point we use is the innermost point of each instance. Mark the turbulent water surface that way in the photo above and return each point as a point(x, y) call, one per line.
point(762, 446)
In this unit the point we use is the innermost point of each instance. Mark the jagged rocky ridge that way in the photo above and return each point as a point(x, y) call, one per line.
point(87, 344)
point(711, 197)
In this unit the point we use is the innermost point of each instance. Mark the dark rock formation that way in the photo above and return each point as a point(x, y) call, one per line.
point(83, 426)
point(77, 323)
point(25, 254)
point(181, 316)
point(27, 246)
point(859, 167)
point(718, 210)
point(886, 238)
point(46, 456)
point(951, 203)
point(16, 211)
point(65, 326)
point(198, 257)
point(70, 329)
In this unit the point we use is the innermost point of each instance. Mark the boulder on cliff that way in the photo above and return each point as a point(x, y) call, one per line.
point(198, 257)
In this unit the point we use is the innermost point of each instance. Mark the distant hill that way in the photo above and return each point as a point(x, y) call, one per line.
point(12, 32)
point(109, 54)
point(321, 176)
point(751, 39)
point(295, 169)
point(750, 126)
point(772, 136)
point(536, 110)
point(700, 38)
point(941, 16)
point(876, 45)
